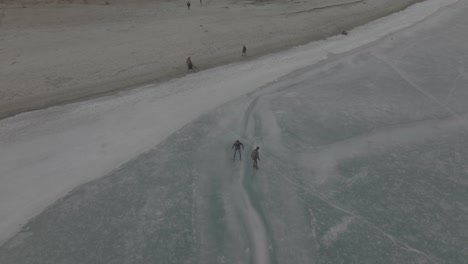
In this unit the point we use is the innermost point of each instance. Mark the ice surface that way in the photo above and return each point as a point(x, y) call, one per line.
point(363, 160)
point(47, 153)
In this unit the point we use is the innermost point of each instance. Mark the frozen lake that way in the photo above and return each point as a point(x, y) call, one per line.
point(364, 159)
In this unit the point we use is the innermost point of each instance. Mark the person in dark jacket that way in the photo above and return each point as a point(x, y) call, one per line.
point(237, 147)
point(244, 51)
point(188, 5)
point(256, 157)
point(189, 64)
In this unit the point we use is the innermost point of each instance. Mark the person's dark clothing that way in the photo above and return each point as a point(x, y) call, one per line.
point(189, 63)
point(188, 5)
point(237, 148)
point(255, 157)
point(244, 51)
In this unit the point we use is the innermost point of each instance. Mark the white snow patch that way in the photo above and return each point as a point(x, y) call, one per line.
point(335, 231)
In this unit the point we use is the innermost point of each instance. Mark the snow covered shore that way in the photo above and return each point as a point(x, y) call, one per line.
point(57, 53)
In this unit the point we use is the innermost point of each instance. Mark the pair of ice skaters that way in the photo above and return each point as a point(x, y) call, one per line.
point(255, 155)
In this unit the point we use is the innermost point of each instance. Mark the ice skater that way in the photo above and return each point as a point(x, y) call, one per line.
point(237, 147)
point(256, 157)
point(244, 51)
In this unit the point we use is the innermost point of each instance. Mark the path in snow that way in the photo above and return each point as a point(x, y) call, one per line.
point(364, 160)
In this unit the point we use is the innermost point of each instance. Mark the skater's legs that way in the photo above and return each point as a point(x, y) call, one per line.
point(235, 151)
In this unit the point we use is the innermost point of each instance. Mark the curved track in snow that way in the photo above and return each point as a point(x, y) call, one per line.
point(364, 160)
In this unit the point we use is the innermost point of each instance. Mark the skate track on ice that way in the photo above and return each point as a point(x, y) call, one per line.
point(328, 134)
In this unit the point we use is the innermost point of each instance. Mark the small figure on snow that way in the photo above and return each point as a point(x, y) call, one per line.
point(190, 65)
point(188, 5)
point(256, 157)
point(237, 147)
point(244, 51)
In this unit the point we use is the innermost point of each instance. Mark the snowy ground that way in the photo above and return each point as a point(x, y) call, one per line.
point(364, 159)
point(59, 53)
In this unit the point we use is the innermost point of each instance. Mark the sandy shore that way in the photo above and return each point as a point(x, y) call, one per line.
point(57, 53)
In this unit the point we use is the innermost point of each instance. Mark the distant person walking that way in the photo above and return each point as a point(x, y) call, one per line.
point(188, 5)
point(189, 64)
point(244, 51)
point(201, 2)
point(237, 148)
point(256, 157)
